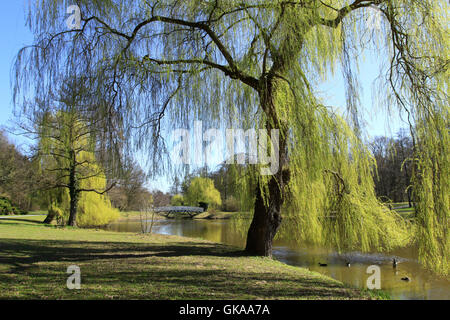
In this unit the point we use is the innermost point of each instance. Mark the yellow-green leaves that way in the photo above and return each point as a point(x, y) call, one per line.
point(203, 190)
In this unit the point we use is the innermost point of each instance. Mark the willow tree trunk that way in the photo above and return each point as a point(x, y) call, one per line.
point(50, 217)
point(268, 201)
point(74, 195)
point(266, 220)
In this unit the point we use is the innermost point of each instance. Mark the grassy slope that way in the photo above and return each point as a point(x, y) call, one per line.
point(34, 259)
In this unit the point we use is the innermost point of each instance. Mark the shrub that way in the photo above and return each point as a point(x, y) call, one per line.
point(7, 208)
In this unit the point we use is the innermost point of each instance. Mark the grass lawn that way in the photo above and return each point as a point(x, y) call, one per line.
point(405, 211)
point(34, 259)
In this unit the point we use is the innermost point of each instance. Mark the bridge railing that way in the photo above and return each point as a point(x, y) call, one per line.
point(191, 211)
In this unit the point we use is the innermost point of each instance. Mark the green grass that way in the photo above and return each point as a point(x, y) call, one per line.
point(40, 212)
point(34, 259)
point(406, 213)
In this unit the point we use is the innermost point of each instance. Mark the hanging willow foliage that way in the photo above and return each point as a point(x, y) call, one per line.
point(62, 134)
point(150, 66)
point(93, 209)
point(431, 181)
point(330, 199)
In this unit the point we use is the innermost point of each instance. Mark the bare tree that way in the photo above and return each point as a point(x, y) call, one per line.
point(147, 216)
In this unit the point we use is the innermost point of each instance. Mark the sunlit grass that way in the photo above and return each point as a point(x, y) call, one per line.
point(34, 259)
point(404, 210)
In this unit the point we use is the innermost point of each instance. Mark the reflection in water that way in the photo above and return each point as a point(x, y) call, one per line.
point(423, 284)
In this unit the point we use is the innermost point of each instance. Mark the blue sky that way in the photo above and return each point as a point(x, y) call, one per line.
point(16, 35)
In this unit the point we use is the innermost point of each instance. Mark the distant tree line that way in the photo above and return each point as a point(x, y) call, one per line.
point(17, 176)
point(394, 163)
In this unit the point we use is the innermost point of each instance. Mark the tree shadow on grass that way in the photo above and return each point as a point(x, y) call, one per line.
point(28, 221)
point(179, 284)
point(151, 271)
point(26, 252)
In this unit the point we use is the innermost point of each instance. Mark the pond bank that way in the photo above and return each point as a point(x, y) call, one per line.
point(34, 259)
point(218, 215)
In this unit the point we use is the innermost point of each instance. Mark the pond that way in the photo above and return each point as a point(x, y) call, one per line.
point(423, 284)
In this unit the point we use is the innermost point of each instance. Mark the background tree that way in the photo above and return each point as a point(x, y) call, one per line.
point(118, 198)
point(394, 167)
point(202, 190)
point(176, 186)
point(129, 192)
point(230, 180)
point(160, 199)
point(147, 214)
point(264, 60)
point(140, 199)
point(66, 146)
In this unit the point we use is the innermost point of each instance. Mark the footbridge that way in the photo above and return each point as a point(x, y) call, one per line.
point(179, 211)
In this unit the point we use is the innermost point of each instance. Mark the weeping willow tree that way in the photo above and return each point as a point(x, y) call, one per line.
point(73, 181)
point(92, 208)
point(257, 64)
point(203, 190)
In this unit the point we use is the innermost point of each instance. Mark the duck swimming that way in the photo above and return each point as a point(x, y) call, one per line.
point(323, 264)
point(406, 279)
point(394, 263)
